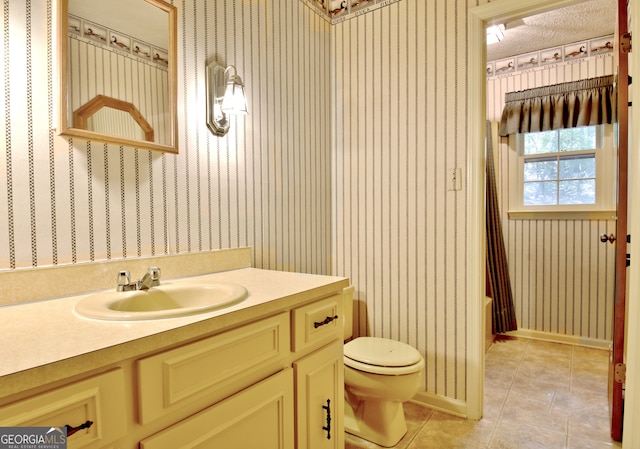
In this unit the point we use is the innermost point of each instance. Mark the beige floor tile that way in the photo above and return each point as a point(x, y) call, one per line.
point(351, 443)
point(493, 404)
point(589, 380)
point(518, 435)
point(538, 389)
point(583, 443)
point(497, 378)
point(579, 404)
point(540, 418)
point(594, 356)
point(593, 426)
point(545, 372)
point(447, 431)
point(592, 368)
point(501, 362)
point(529, 402)
point(416, 416)
point(549, 347)
point(548, 354)
point(511, 347)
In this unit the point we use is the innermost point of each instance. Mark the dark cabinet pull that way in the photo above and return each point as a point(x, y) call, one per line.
point(72, 430)
point(328, 427)
point(327, 320)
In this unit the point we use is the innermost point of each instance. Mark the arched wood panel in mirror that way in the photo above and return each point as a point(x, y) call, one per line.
point(124, 51)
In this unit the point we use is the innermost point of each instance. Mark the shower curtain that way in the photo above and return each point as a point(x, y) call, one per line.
point(504, 315)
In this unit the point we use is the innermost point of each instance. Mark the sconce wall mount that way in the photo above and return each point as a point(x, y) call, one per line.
point(225, 95)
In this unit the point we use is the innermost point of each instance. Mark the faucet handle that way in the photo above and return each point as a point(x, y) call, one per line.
point(123, 280)
point(154, 272)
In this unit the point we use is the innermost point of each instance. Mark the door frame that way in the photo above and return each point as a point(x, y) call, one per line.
point(479, 17)
point(631, 434)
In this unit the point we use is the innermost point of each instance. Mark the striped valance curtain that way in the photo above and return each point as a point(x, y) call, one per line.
point(566, 105)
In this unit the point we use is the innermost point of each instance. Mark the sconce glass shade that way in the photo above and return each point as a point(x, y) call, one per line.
point(225, 96)
point(234, 101)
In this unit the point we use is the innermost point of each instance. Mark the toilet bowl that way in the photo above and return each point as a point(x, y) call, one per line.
point(380, 374)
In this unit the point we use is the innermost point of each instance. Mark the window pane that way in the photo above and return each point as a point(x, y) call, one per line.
point(578, 192)
point(542, 142)
point(540, 170)
point(578, 167)
point(582, 138)
point(538, 193)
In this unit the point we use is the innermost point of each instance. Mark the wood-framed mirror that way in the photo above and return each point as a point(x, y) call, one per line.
point(118, 57)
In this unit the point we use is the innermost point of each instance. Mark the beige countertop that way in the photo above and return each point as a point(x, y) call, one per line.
point(45, 341)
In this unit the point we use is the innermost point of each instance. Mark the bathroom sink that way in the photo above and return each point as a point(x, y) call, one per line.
point(164, 301)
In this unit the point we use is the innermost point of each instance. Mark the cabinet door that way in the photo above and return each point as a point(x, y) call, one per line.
point(320, 399)
point(259, 417)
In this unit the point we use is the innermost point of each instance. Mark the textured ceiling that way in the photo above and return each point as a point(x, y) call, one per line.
point(586, 20)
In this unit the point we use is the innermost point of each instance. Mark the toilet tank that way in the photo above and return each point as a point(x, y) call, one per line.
point(347, 304)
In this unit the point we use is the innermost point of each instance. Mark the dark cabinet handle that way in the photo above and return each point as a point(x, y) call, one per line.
point(328, 427)
point(72, 430)
point(327, 320)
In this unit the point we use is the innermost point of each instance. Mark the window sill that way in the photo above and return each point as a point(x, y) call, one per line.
point(563, 215)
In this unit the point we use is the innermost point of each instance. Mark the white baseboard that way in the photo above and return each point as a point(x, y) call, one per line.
point(561, 338)
point(441, 403)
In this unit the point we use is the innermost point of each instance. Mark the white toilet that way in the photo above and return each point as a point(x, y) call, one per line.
point(379, 375)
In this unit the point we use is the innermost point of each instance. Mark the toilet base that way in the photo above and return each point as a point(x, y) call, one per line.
point(381, 422)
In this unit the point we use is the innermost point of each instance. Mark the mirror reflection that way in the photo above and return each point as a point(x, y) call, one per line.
point(107, 115)
point(119, 65)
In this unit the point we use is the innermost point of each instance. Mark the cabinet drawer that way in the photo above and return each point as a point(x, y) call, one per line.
point(259, 417)
point(99, 399)
point(317, 323)
point(211, 369)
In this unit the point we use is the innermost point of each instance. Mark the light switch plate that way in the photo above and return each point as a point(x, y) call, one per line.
point(454, 179)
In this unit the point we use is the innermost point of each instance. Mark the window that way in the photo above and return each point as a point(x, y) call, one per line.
point(564, 170)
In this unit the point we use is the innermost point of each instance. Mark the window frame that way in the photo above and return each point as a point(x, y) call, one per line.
point(606, 178)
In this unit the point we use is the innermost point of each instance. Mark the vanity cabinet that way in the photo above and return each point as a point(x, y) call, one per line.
point(273, 380)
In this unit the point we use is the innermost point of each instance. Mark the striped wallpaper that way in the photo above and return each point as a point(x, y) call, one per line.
point(399, 125)
point(265, 185)
point(561, 274)
point(341, 166)
point(375, 103)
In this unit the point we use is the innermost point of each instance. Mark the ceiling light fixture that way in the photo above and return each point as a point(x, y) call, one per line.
point(495, 33)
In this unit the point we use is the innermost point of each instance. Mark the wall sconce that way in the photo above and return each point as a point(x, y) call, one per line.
point(495, 33)
point(225, 95)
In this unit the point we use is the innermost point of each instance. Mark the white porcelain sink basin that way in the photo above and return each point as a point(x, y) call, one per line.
point(165, 301)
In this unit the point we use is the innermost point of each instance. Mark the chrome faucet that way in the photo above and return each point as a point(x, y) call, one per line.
point(150, 279)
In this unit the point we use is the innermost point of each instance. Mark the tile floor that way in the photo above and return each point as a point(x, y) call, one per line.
point(538, 395)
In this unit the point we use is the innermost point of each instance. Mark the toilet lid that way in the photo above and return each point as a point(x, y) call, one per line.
point(381, 352)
